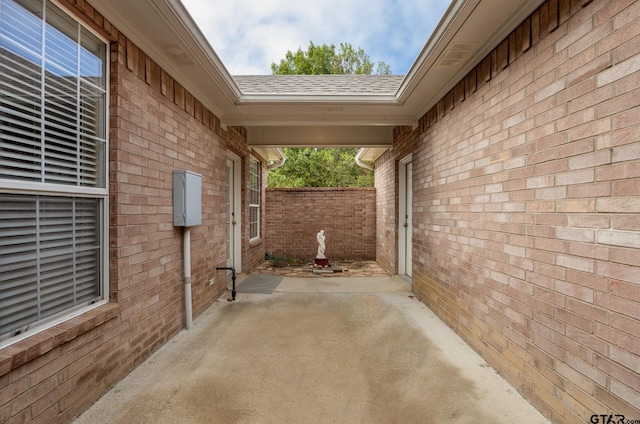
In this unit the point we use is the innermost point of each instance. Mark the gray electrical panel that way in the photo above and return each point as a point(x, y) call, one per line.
point(187, 199)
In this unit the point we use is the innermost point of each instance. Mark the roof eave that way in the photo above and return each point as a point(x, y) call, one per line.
point(167, 33)
point(365, 99)
point(479, 24)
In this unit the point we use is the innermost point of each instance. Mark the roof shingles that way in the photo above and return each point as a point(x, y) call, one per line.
point(319, 84)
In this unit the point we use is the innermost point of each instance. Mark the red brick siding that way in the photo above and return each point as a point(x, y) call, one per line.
point(526, 236)
point(348, 216)
point(156, 127)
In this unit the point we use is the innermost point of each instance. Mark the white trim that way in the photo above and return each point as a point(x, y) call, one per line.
point(91, 191)
point(237, 199)
point(259, 205)
point(402, 211)
point(102, 193)
point(15, 186)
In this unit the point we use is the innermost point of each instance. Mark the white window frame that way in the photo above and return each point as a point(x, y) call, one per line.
point(255, 193)
point(45, 189)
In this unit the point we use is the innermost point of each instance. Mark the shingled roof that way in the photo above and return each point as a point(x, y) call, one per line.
point(319, 84)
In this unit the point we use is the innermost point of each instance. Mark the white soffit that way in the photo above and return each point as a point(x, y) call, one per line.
point(467, 33)
point(270, 154)
point(371, 153)
point(165, 31)
point(320, 136)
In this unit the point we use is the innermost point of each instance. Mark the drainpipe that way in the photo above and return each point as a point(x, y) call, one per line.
point(187, 277)
point(359, 160)
point(280, 161)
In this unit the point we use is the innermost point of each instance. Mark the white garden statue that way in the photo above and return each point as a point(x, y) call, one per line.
point(321, 246)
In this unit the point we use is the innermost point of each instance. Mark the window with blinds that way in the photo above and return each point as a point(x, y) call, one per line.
point(53, 193)
point(254, 198)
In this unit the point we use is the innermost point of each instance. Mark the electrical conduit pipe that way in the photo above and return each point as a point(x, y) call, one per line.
point(187, 277)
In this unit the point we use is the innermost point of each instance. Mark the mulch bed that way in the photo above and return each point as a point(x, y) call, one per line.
point(303, 268)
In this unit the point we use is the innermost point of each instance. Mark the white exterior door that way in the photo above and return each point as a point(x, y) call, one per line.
point(233, 218)
point(405, 218)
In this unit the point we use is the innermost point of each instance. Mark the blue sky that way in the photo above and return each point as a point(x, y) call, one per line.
point(248, 35)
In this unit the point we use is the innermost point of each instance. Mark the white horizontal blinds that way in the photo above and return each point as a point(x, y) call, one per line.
point(87, 250)
point(18, 262)
point(61, 43)
point(61, 134)
point(21, 89)
point(55, 248)
point(92, 105)
point(75, 87)
point(253, 222)
point(49, 251)
point(91, 151)
point(92, 64)
point(68, 247)
point(61, 100)
point(255, 184)
point(52, 131)
point(57, 137)
point(93, 126)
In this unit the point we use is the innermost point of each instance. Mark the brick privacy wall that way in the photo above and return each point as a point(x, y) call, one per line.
point(386, 182)
point(526, 202)
point(347, 215)
point(156, 127)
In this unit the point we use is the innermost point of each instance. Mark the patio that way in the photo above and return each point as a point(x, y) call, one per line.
point(317, 350)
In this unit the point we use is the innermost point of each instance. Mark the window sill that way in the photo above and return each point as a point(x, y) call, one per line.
point(20, 353)
point(255, 242)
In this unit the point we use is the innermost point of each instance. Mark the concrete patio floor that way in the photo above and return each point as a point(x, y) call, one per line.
point(315, 350)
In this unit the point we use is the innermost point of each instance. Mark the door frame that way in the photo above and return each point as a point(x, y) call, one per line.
point(404, 235)
point(236, 254)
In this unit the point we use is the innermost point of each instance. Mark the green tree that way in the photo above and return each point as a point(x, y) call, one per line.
point(324, 59)
point(320, 167)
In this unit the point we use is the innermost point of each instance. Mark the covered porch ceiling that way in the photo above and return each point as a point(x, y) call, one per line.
point(317, 110)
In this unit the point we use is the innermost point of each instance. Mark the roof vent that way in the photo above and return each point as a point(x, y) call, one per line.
point(457, 54)
point(176, 53)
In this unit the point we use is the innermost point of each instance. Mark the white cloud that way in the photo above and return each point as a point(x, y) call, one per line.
point(249, 35)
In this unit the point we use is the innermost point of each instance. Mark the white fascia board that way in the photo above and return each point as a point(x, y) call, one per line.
point(316, 98)
point(270, 154)
point(370, 154)
point(370, 120)
point(320, 136)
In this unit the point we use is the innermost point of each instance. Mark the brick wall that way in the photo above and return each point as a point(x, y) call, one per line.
point(348, 216)
point(156, 127)
point(526, 236)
